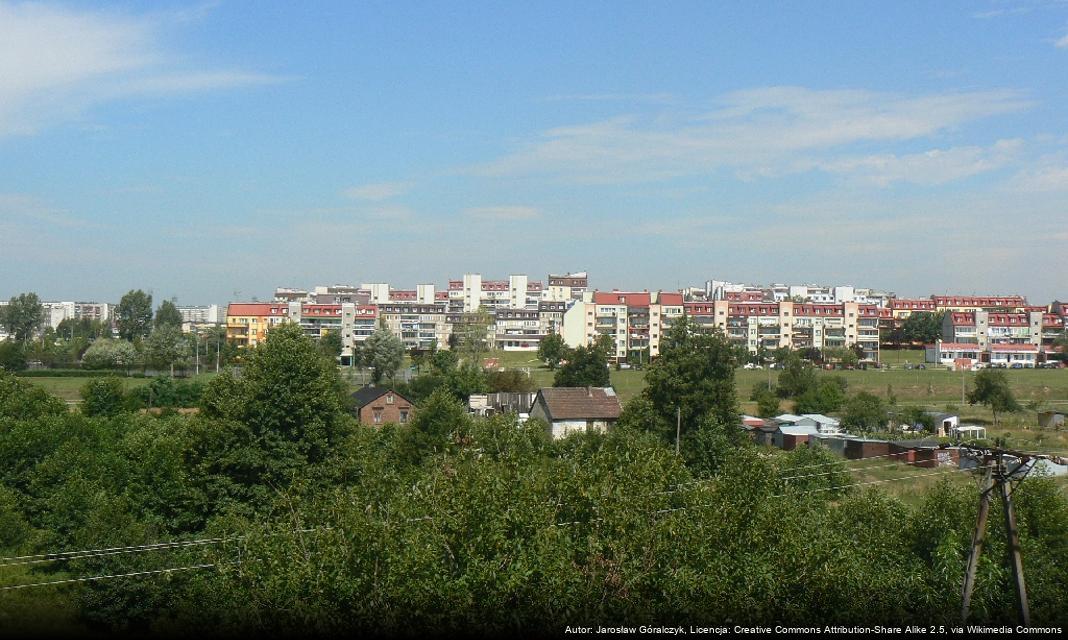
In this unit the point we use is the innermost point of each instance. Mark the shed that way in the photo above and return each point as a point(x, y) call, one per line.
point(1051, 419)
point(576, 409)
point(789, 438)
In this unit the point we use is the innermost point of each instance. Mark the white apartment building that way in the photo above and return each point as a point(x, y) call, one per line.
point(793, 325)
point(56, 312)
point(570, 286)
point(636, 321)
point(205, 314)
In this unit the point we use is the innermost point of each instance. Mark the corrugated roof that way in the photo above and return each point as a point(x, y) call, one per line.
point(581, 403)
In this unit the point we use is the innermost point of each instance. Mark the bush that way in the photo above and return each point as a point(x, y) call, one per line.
point(102, 397)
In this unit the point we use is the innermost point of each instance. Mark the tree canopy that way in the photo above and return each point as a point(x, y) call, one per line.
point(694, 374)
point(586, 367)
point(992, 389)
point(133, 315)
point(22, 316)
point(168, 315)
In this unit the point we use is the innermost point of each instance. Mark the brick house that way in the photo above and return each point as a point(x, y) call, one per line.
point(376, 406)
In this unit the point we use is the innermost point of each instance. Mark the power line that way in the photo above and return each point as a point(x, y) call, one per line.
point(105, 577)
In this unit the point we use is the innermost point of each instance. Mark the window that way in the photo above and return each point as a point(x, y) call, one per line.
point(389, 399)
point(404, 416)
point(377, 416)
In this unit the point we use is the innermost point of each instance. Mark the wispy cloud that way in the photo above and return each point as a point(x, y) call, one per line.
point(765, 130)
point(377, 191)
point(504, 213)
point(22, 209)
point(933, 167)
point(57, 62)
point(1062, 43)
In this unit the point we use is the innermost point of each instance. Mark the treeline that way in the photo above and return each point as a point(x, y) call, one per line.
point(298, 520)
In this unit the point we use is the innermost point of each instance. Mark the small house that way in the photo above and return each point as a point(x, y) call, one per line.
point(568, 410)
point(376, 406)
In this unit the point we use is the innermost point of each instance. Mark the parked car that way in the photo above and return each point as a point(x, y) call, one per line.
point(1016, 365)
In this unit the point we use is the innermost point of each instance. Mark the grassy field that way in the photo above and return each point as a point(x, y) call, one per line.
point(68, 389)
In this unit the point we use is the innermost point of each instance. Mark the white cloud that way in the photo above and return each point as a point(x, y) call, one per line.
point(758, 130)
point(1042, 179)
point(933, 167)
point(505, 213)
point(1062, 43)
point(56, 62)
point(377, 191)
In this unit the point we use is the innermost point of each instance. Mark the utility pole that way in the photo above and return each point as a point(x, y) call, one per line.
point(996, 476)
point(678, 427)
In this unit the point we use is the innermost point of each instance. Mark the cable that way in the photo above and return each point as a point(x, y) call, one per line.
point(62, 556)
point(105, 577)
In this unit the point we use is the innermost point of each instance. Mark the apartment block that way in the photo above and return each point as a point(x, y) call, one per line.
point(1010, 304)
point(200, 315)
point(518, 329)
point(471, 292)
point(570, 286)
point(56, 312)
point(419, 326)
point(792, 325)
point(635, 321)
point(985, 328)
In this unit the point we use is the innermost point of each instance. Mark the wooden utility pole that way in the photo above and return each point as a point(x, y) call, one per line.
point(996, 476)
point(678, 427)
point(977, 543)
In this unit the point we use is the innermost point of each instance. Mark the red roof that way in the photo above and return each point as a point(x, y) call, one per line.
point(698, 308)
point(912, 304)
point(819, 310)
point(754, 309)
point(673, 299)
point(257, 309)
point(980, 301)
point(630, 299)
point(321, 310)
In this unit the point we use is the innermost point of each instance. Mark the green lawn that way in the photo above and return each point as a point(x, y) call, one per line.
point(68, 389)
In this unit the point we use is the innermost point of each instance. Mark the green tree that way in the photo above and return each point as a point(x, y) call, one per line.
point(767, 401)
point(12, 356)
point(586, 367)
point(798, 376)
point(102, 397)
point(110, 354)
point(922, 326)
point(440, 422)
point(826, 396)
point(133, 315)
point(552, 350)
point(992, 389)
point(865, 412)
point(288, 405)
point(165, 346)
point(330, 344)
point(23, 316)
point(606, 344)
point(384, 354)
point(168, 315)
point(694, 375)
point(509, 380)
point(472, 332)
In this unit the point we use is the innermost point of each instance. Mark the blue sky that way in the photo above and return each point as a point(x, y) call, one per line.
point(203, 149)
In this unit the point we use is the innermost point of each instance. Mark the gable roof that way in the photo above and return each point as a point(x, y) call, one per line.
point(367, 394)
point(580, 403)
